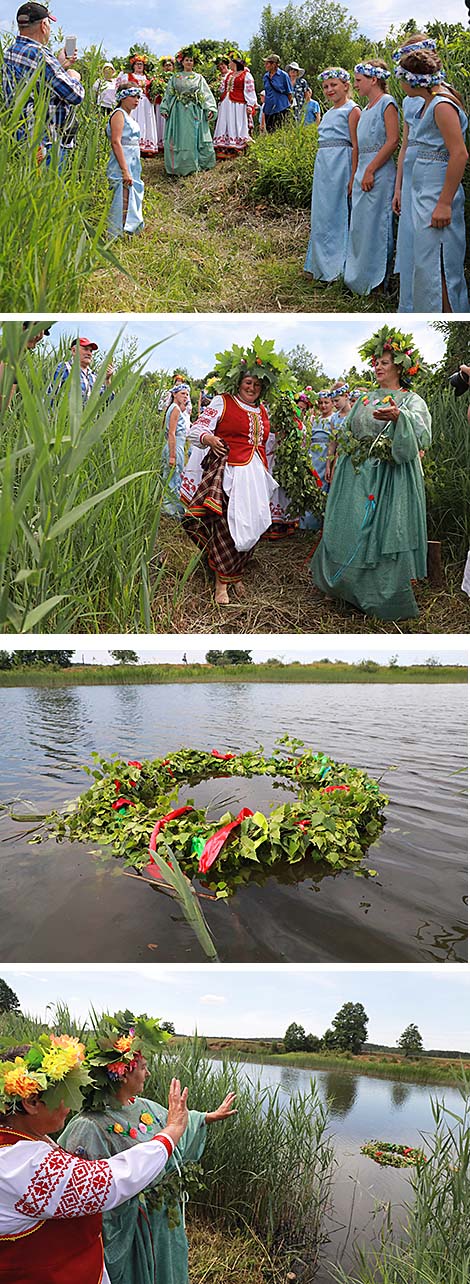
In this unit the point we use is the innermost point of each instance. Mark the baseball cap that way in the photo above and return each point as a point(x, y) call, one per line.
point(32, 12)
point(85, 343)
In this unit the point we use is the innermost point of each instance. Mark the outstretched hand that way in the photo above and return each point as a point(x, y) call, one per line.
point(390, 411)
point(177, 1118)
point(223, 1111)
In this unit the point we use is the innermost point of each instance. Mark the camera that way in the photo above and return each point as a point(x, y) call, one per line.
point(459, 382)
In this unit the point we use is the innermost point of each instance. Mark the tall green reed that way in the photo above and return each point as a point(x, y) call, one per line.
point(270, 1167)
point(447, 473)
point(81, 491)
point(52, 226)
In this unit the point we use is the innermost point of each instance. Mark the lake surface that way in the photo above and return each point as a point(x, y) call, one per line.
point(361, 1109)
point(61, 904)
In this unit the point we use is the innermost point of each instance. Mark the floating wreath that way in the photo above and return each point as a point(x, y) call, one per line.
point(293, 467)
point(390, 1154)
point(133, 809)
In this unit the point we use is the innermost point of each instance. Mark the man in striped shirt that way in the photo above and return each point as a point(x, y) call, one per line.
point(28, 57)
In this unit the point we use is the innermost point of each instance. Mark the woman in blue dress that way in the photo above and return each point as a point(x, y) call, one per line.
point(370, 245)
point(124, 167)
point(333, 175)
point(173, 450)
point(318, 448)
point(404, 261)
point(437, 197)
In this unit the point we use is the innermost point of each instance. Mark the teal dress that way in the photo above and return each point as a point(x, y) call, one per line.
point(187, 102)
point(131, 144)
point(171, 503)
point(370, 552)
point(327, 247)
point(141, 1243)
point(436, 250)
point(404, 258)
point(370, 245)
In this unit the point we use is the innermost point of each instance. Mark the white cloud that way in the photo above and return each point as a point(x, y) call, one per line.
point(157, 36)
point(213, 998)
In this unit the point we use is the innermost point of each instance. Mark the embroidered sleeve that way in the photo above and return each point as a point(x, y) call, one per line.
point(250, 91)
point(65, 1186)
point(207, 421)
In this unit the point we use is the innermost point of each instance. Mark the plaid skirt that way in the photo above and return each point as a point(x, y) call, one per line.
point(207, 522)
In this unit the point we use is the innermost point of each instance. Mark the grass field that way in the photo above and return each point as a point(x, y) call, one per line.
point(135, 674)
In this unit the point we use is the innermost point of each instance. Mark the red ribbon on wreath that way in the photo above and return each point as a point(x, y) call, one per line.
point(152, 870)
point(216, 841)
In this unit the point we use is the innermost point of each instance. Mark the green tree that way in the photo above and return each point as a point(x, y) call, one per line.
point(9, 1001)
point(350, 1027)
point(306, 367)
point(410, 1042)
point(5, 660)
point(317, 33)
point(312, 1043)
point(328, 1041)
point(125, 657)
point(237, 657)
point(294, 1038)
point(393, 662)
point(61, 659)
point(214, 657)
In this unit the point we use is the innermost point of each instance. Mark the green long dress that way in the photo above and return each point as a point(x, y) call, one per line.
point(142, 1245)
point(187, 102)
point(369, 555)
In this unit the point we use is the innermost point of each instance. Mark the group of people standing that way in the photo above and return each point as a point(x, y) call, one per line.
point(374, 541)
point(357, 189)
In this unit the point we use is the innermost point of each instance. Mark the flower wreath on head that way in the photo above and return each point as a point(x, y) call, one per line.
point(420, 80)
point(117, 1045)
point(260, 360)
point(411, 48)
point(335, 73)
point(188, 51)
point(339, 389)
point(401, 347)
point(368, 69)
point(53, 1068)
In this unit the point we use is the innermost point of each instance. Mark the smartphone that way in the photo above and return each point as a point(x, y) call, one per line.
point(70, 46)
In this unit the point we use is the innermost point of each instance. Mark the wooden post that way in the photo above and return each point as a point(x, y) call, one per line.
point(435, 569)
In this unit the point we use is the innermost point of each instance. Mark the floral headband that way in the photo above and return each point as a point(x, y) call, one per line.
point(179, 387)
point(52, 1068)
point(335, 73)
point(324, 392)
point(420, 79)
point(128, 91)
point(420, 44)
point(368, 69)
point(338, 390)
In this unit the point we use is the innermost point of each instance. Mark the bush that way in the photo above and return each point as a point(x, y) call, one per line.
point(278, 167)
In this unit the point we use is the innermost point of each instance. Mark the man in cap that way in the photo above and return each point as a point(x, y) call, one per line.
point(86, 348)
point(26, 56)
point(278, 92)
point(300, 88)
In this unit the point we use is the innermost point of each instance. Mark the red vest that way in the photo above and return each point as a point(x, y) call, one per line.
point(237, 88)
point(66, 1250)
point(243, 430)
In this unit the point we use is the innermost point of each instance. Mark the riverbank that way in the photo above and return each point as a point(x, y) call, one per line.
point(155, 674)
point(425, 1070)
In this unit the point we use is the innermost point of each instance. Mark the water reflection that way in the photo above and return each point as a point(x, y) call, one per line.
point(400, 1093)
point(341, 1091)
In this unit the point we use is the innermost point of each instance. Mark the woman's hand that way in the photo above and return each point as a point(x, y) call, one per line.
point(368, 179)
point(385, 413)
point(465, 370)
point(441, 215)
point(223, 1111)
point(350, 186)
point(126, 178)
point(396, 203)
point(216, 443)
point(177, 1118)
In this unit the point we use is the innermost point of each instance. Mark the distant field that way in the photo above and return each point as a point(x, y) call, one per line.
point(382, 1065)
point(104, 675)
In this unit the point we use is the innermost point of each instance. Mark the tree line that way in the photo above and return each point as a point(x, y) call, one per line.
point(347, 1033)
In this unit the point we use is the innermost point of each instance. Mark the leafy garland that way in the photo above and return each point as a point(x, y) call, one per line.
point(293, 467)
point(336, 816)
point(390, 1154)
point(260, 359)
point(401, 346)
point(54, 1068)
point(362, 449)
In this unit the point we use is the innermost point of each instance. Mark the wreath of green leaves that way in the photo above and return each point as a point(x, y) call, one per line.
point(337, 813)
point(260, 359)
point(294, 467)
point(401, 346)
point(390, 1154)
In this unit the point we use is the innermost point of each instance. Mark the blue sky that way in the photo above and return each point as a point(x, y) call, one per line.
point(192, 340)
point(288, 647)
point(239, 1000)
point(117, 24)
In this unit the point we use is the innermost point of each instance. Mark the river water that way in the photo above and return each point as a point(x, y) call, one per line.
point(59, 903)
point(361, 1109)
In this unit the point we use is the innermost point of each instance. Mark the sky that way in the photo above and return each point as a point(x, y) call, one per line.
point(192, 340)
point(164, 30)
point(256, 1002)
point(287, 647)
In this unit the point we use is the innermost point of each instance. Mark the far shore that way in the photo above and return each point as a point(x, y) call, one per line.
point(155, 674)
point(386, 1065)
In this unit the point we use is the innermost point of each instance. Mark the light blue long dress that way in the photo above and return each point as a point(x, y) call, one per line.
point(321, 433)
point(404, 259)
point(171, 504)
point(370, 245)
point(130, 142)
point(436, 249)
point(327, 247)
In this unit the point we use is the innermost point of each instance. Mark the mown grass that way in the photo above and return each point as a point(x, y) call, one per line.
point(155, 674)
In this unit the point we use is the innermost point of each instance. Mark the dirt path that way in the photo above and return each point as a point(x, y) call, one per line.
point(205, 249)
point(280, 597)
